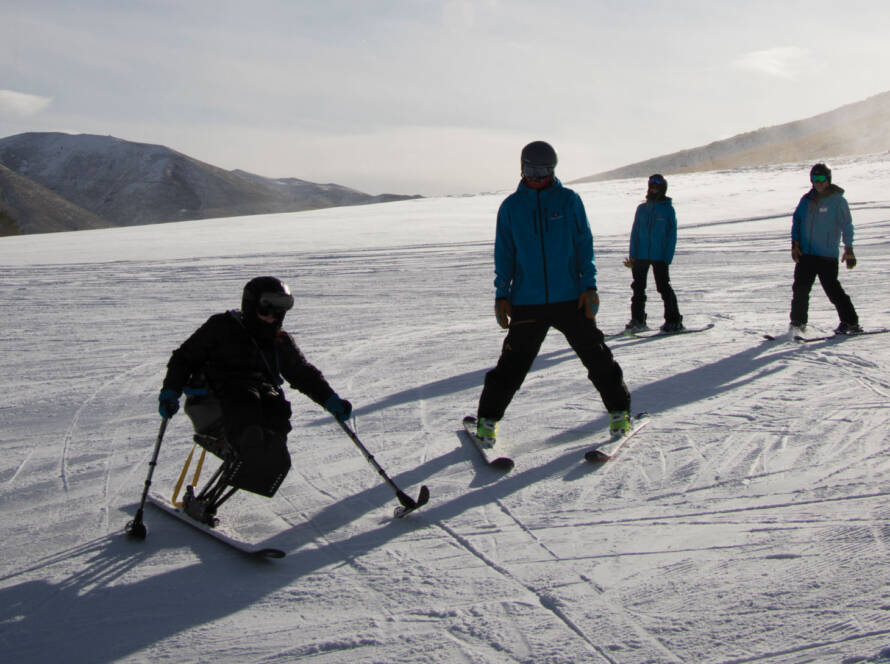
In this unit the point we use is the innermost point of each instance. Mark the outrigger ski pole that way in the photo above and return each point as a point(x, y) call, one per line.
point(135, 528)
point(408, 503)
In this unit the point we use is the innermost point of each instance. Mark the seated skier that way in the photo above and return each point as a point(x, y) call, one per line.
point(232, 369)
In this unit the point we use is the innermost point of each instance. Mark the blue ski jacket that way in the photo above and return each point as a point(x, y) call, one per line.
point(819, 223)
point(543, 250)
point(654, 233)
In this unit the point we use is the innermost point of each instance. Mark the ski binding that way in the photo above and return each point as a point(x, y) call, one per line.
point(501, 463)
point(596, 455)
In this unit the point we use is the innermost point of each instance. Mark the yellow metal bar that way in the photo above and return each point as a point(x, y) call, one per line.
point(198, 468)
point(179, 482)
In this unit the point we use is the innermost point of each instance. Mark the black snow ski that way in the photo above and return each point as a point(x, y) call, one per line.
point(502, 463)
point(226, 538)
point(596, 455)
point(649, 334)
point(826, 337)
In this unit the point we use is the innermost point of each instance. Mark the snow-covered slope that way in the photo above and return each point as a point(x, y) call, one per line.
point(747, 523)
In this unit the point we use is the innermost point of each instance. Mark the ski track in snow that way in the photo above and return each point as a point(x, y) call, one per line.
point(747, 523)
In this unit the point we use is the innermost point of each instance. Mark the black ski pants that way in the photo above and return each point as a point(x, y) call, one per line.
point(528, 328)
point(662, 284)
point(805, 272)
point(256, 421)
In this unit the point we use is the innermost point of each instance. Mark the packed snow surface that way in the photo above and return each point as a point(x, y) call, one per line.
point(749, 522)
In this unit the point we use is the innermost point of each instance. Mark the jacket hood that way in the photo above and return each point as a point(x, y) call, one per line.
point(831, 191)
point(556, 184)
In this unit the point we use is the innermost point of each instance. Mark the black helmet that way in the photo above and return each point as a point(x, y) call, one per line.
point(266, 295)
point(658, 181)
point(538, 159)
point(820, 169)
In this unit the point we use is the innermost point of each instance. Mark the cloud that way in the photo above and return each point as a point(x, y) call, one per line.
point(21, 103)
point(780, 62)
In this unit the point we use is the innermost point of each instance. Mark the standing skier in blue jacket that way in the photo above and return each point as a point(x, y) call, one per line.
point(653, 240)
point(821, 219)
point(545, 277)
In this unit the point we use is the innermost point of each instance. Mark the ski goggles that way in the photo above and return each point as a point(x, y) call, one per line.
point(536, 171)
point(818, 178)
point(274, 303)
point(657, 180)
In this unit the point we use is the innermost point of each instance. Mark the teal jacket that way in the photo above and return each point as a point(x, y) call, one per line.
point(819, 223)
point(654, 233)
point(543, 250)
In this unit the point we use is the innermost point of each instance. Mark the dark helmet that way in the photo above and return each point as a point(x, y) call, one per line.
point(820, 169)
point(538, 159)
point(660, 182)
point(266, 295)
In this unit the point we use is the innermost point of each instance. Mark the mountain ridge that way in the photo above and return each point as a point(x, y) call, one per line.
point(861, 127)
point(125, 183)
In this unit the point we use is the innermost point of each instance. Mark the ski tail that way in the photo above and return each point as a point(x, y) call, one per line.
point(501, 463)
point(597, 455)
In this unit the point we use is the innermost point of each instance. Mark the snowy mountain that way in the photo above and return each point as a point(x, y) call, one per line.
point(127, 183)
point(859, 128)
point(747, 523)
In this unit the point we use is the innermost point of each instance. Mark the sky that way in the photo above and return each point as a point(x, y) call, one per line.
point(431, 97)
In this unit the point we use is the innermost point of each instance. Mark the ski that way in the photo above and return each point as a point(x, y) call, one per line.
point(596, 455)
point(502, 463)
point(646, 334)
point(809, 340)
point(220, 535)
point(618, 335)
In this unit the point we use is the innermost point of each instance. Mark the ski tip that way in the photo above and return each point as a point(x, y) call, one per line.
point(596, 456)
point(503, 464)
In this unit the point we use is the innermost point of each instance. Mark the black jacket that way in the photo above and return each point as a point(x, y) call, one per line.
point(233, 360)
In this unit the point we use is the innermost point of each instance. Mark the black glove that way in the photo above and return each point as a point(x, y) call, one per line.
point(849, 258)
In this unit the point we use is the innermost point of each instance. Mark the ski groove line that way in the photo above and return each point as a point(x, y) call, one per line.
point(734, 510)
point(544, 599)
point(8, 484)
point(802, 649)
point(351, 560)
point(641, 630)
point(69, 434)
point(853, 372)
point(526, 530)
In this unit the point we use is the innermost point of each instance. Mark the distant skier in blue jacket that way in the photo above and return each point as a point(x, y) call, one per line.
point(545, 277)
point(821, 219)
point(653, 240)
